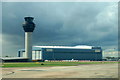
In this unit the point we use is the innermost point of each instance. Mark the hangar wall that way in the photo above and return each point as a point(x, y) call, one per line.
point(69, 54)
point(45, 53)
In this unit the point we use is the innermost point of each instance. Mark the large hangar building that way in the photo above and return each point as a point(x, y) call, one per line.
point(64, 53)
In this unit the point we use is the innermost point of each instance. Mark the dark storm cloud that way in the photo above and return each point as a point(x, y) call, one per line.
point(61, 23)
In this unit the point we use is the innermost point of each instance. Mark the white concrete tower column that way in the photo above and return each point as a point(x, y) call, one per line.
point(28, 45)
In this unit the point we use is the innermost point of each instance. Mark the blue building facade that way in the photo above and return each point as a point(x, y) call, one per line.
point(64, 53)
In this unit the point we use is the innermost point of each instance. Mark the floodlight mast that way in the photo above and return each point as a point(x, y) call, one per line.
point(28, 27)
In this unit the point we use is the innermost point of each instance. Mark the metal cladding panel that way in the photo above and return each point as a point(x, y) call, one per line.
point(68, 54)
point(47, 55)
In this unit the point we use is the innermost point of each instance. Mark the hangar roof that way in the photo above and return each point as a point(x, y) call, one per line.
point(65, 47)
point(71, 47)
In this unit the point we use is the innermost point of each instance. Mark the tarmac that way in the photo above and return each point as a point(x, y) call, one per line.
point(80, 71)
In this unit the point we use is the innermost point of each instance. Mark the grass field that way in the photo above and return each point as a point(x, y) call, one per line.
point(46, 64)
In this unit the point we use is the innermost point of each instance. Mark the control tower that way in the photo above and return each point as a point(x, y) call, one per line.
point(28, 27)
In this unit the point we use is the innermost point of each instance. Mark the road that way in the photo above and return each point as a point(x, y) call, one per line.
point(81, 71)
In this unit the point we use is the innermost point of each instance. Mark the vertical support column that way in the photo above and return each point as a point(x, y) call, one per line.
point(28, 45)
point(39, 55)
point(35, 55)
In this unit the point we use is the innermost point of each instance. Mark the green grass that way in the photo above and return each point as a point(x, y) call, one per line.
point(46, 64)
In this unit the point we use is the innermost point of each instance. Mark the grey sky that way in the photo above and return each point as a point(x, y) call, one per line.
point(60, 23)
